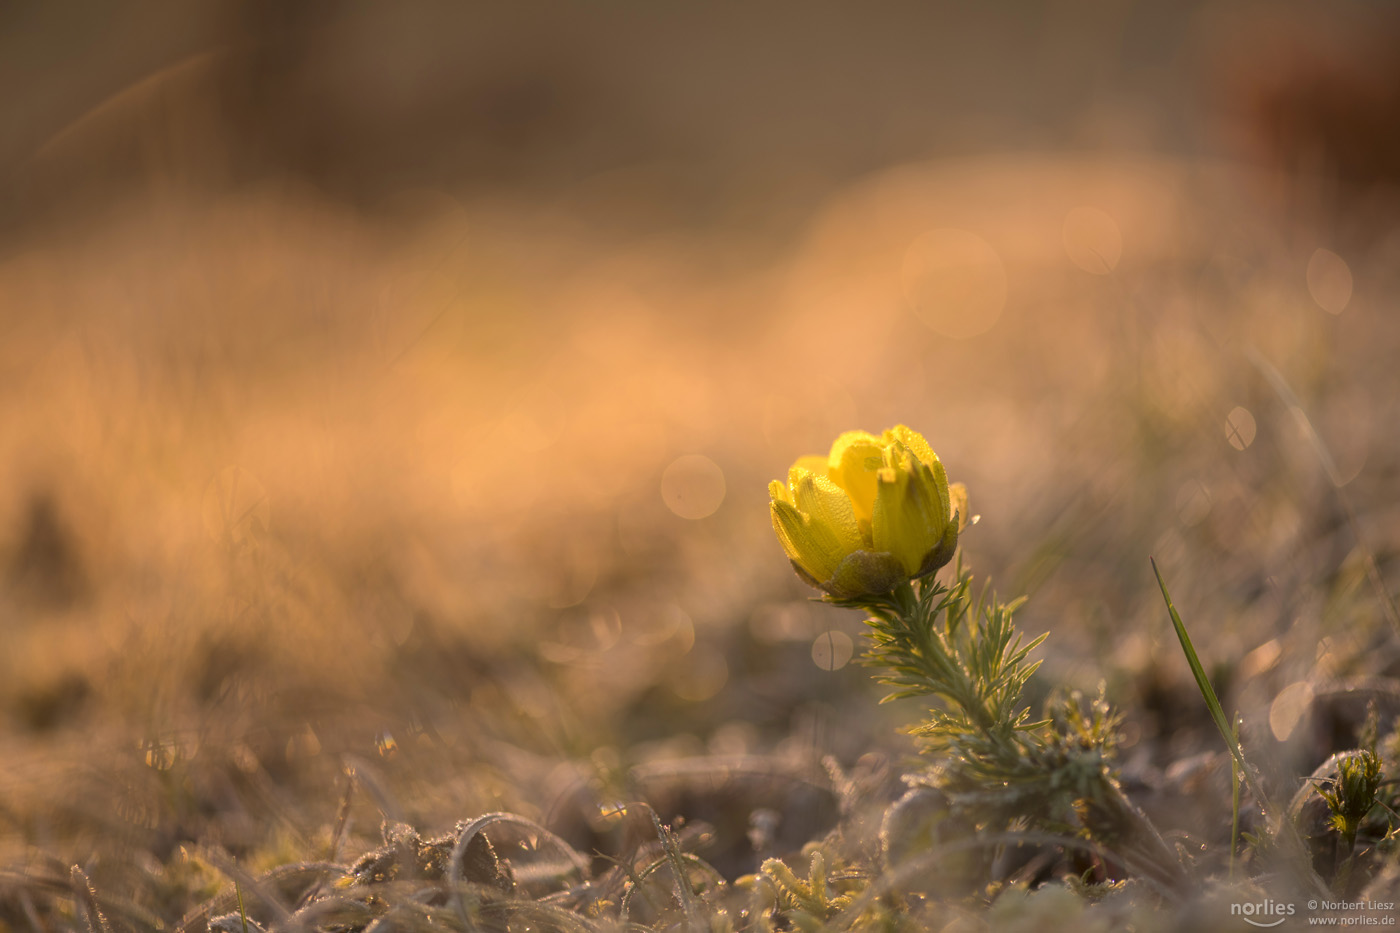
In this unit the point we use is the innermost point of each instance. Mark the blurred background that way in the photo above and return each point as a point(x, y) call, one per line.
point(396, 386)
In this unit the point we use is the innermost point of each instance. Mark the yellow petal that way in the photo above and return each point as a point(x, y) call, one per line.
point(913, 440)
point(910, 518)
point(957, 497)
point(941, 554)
point(847, 439)
point(855, 459)
point(806, 577)
point(791, 527)
point(812, 464)
point(875, 511)
point(915, 443)
point(829, 507)
point(957, 522)
point(817, 527)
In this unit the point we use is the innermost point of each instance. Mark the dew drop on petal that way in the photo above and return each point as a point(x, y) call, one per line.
point(693, 486)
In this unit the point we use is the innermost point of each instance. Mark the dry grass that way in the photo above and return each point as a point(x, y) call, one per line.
point(293, 494)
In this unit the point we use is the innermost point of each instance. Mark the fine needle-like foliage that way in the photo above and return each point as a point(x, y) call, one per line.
point(998, 766)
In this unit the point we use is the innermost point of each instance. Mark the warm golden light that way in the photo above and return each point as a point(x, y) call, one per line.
point(954, 282)
point(1092, 240)
point(693, 486)
point(388, 394)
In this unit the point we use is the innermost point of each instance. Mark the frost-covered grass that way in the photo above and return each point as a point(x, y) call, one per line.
point(421, 576)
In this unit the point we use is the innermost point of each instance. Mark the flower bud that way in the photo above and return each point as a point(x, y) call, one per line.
point(878, 511)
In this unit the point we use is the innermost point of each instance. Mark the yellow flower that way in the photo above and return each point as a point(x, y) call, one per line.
point(876, 512)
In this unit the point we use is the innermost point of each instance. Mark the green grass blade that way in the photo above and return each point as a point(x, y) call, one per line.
point(1234, 802)
point(242, 914)
point(1217, 712)
point(1284, 830)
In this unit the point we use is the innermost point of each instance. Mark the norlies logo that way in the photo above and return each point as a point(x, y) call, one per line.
point(1265, 913)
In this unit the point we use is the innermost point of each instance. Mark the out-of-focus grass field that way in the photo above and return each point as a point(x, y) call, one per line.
point(439, 457)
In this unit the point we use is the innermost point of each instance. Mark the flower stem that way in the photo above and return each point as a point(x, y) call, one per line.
point(941, 641)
